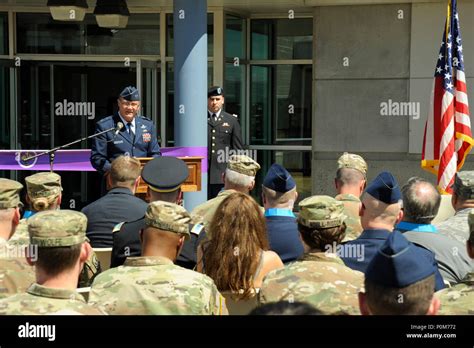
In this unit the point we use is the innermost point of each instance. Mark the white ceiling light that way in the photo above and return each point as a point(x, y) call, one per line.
point(68, 10)
point(111, 13)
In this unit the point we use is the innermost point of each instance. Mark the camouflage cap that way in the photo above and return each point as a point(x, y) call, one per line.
point(351, 160)
point(43, 185)
point(243, 164)
point(10, 193)
point(321, 212)
point(57, 228)
point(169, 217)
point(464, 184)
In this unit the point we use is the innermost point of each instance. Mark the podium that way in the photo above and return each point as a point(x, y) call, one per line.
point(192, 183)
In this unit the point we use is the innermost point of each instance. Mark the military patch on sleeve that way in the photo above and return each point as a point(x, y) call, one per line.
point(197, 229)
point(117, 227)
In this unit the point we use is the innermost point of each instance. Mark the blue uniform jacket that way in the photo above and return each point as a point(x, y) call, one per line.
point(108, 146)
point(283, 235)
point(119, 204)
point(358, 253)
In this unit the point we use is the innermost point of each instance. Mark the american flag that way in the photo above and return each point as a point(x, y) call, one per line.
point(447, 139)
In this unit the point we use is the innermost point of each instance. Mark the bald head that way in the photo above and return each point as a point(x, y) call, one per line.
point(421, 201)
point(377, 214)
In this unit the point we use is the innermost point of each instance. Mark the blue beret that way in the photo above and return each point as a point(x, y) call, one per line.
point(215, 91)
point(130, 93)
point(385, 188)
point(165, 174)
point(279, 179)
point(399, 263)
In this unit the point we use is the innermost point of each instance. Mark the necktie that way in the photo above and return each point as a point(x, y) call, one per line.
point(130, 131)
point(214, 116)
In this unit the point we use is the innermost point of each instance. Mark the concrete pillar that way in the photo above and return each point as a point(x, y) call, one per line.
point(190, 81)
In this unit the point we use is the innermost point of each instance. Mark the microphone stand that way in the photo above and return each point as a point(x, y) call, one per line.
point(52, 152)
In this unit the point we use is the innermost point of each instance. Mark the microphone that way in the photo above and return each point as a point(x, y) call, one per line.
point(118, 128)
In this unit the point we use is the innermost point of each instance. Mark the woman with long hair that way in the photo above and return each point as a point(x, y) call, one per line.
point(237, 257)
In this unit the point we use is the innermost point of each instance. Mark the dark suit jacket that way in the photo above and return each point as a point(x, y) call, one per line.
point(108, 146)
point(118, 205)
point(223, 134)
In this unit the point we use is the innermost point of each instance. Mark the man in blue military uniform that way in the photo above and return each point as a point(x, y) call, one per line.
point(224, 138)
point(279, 196)
point(399, 280)
point(164, 176)
point(137, 137)
point(381, 210)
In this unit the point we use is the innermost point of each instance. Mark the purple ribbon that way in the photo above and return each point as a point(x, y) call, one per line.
point(79, 160)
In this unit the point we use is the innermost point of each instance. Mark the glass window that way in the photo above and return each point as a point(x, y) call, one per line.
point(34, 110)
point(234, 37)
point(4, 108)
point(282, 38)
point(170, 35)
point(280, 104)
point(39, 33)
point(234, 87)
point(3, 34)
point(129, 40)
point(298, 163)
point(170, 99)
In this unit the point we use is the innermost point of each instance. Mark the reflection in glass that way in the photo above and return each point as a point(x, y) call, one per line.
point(234, 37)
point(234, 87)
point(129, 40)
point(282, 38)
point(280, 104)
point(39, 33)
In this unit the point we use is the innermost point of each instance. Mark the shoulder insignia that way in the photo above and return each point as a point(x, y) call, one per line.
point(197, 229)
point(105, 119)
point(117, 227)
point(145, 118)
point(235, 115)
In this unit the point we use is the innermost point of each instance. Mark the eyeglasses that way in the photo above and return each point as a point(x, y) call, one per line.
point(132, 104)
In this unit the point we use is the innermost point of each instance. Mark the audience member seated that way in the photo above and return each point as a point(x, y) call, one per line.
point(279, 196)
point(399, 280)
point(237, 256)
point(118, 205)
point(350, 182)
point(151, 283)
point(320, 278)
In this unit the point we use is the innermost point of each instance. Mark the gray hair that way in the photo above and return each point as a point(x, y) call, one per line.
point(418, 206)
point(238, 179)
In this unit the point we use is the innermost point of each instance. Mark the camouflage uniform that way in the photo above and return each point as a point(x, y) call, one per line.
point(49, 229)
point(320, 278)
point(40, 300)
point(351, 202)
point(351, 210)
point(153, 284)
point(238, 163)
point(16, 275)
point(459, 299)
point(48, 185)
point(456, 226)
